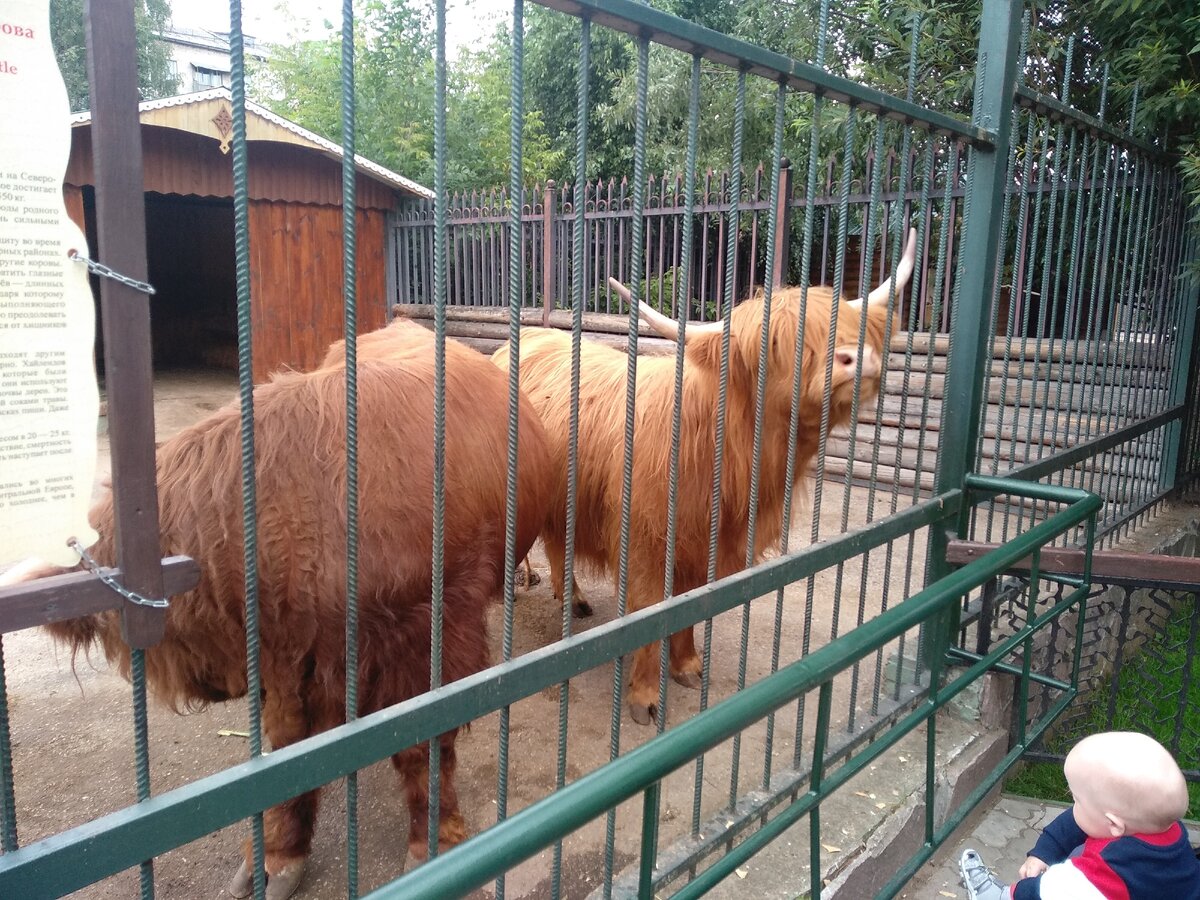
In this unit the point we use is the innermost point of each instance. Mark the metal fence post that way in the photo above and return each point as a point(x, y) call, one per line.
point(783, 218)
point(997, 65)
point(1183, 369)
point(547, 252)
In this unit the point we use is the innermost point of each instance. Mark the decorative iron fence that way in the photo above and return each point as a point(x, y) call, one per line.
point(478, 243)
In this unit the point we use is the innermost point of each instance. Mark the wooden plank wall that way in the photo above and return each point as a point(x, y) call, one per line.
point(296, 281)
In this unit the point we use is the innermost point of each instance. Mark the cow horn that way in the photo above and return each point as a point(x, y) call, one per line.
point(29, 569)
point(664, 325)
point(903, 273)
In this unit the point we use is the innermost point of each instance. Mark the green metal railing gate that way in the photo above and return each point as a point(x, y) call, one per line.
point(915, 636)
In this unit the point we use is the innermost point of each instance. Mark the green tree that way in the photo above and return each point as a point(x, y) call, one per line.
point(70, 47)
point(1154, 46)
point(479, 122)
point(393, 85)
point(394, 97)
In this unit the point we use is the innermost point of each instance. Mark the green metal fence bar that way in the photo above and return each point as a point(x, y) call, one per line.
point(824, 701)
point(662, 28)
point(1110, 225)
point(870, 215)
point(688, 227)
point(536, 826)
point(438, 498)
point(790, 468)
point(579, 279)
point(1185, 341)
point(682, 304)
point(1046, 309)
point(1095, 447)
point(515, 294)
point(923, 237)
point(818, 492)
point(856, 399)
point(797, 367)
point(998, 45)
point(1068, 251)
point(241, 232)
point(721, 830)
point(1130, 407)
point(636, 271)
point(1030, 328)
point(1114, 415)
point(1047, 296)
point(141, 752)
point(350, 329)
point(1173, 323)
point(1114, 350)
point(726, 313)
point(1060, 111)
point(1088, 316)
point(759, 412)
point(1014, 131)
point(898, 228)
point(953, 169)
point(1149, 361)
point(1020, 257)
point(119, 840)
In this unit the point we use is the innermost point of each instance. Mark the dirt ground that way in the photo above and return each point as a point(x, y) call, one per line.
point(73, 745)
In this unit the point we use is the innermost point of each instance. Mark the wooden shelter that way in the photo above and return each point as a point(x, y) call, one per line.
point(295, 231)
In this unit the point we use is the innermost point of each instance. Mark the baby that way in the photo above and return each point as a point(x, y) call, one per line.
point(1122, 838)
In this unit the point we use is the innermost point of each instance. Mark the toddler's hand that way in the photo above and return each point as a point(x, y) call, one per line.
point(1032, 867)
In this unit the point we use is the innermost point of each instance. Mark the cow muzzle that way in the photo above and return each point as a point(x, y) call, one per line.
point(850, 360)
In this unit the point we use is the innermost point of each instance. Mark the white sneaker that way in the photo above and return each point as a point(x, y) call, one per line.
point(981, 884)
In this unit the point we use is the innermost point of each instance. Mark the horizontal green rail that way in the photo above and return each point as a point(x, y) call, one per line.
point(1056, 462)
point(73, 859)
point(929, 705)
point(662, 28)
point(522, 835)
point(1058, 111)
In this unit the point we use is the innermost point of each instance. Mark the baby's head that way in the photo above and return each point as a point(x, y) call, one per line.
point(1124, 782)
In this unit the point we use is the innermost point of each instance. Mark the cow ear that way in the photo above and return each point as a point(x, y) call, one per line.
point(877, 322)
point(704, 350)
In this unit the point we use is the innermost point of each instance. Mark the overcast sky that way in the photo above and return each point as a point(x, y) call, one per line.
point(467, 21)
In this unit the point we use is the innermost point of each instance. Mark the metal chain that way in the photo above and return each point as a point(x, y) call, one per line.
point(101, 269)
point(94, 568)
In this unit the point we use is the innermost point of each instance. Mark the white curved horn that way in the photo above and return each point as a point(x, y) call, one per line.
point(903, 271)
point(29, 569)
point(664, 325)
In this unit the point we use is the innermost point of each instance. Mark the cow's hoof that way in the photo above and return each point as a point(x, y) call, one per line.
point(280, 886)
point(643, 713)
point(283, 883)
point(687, 679)
point(242, 882)
point(581, 608)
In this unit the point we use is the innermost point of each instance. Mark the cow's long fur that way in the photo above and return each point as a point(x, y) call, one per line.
point(545, 367)
point(301, 483)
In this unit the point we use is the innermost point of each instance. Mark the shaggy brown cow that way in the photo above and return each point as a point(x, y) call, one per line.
point(301, 471)
point(545, 369)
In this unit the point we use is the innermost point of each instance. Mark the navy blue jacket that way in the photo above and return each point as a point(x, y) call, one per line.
point(1133, 867)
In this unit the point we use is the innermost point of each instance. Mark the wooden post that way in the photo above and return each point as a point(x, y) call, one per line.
point(783, 221)
point(547, 252)
point(121, 228)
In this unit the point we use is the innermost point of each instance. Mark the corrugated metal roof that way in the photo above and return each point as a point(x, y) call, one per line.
point(317, 142)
